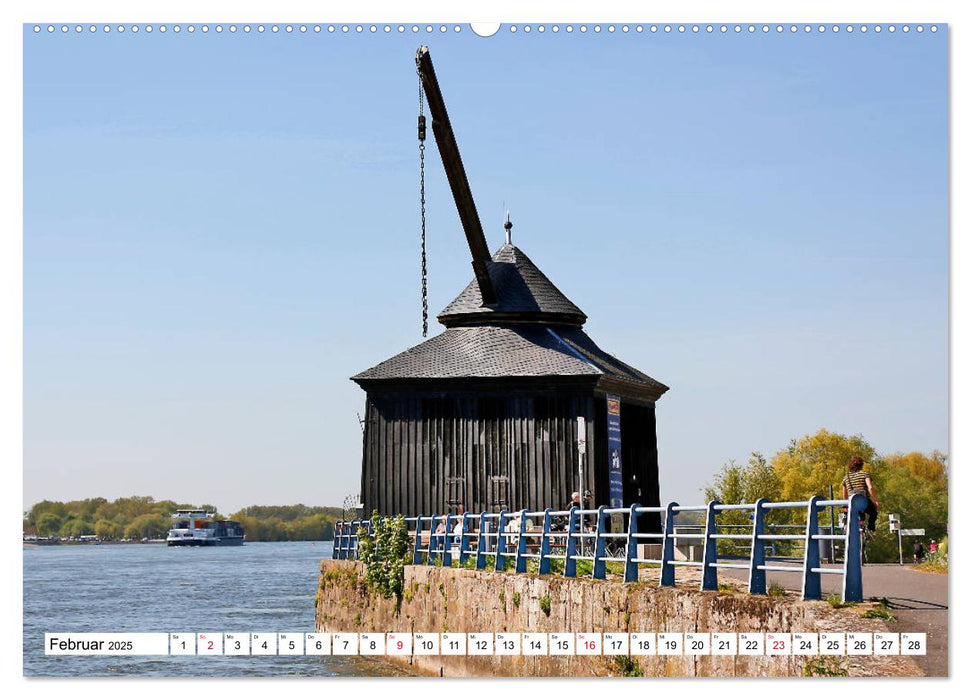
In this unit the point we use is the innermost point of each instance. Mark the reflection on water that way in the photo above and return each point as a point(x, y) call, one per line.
point(259, 587)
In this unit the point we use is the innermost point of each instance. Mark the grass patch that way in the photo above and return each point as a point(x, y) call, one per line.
point(516, 599)
point(837, 602)
point(826, 666)
point(880, 612)
point(775, 590)
point(544, 604)
point(626, 666)
point(933, 567)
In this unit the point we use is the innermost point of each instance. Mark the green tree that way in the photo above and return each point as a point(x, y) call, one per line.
point(48, 524)
point(914, 485)
point(76, 527)
point(149, 525)
point(811, 464)
point(107, 530)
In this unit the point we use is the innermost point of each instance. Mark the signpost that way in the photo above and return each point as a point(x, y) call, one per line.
point(902, 532)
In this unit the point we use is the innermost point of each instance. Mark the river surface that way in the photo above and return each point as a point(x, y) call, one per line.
point(259, 587)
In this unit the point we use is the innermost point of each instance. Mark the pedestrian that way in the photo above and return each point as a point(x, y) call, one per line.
point(918, 551)
point(933, 547)
point(859, 481)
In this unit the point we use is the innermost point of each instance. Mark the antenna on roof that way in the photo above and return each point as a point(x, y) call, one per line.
point(508, 227)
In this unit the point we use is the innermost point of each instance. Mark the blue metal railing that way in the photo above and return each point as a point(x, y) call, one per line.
point(512, 536)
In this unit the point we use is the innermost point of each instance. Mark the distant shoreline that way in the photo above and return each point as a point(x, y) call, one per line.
point(52, 543)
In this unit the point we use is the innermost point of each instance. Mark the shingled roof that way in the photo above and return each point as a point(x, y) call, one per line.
point(481, 351)
point(523, 295)
point(532, 330)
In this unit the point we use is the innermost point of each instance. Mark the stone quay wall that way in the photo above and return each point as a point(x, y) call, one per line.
point(458, 600)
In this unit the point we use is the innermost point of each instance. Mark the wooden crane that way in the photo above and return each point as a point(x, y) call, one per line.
point(448, 148)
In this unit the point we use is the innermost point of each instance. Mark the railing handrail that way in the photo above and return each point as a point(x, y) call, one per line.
point(556, 535)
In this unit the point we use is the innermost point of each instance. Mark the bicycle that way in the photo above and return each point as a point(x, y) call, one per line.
point(866, 537)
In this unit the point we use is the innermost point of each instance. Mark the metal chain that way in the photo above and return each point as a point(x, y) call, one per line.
point(424, 258)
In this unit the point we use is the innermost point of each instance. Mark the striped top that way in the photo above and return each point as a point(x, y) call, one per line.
point(855, 482)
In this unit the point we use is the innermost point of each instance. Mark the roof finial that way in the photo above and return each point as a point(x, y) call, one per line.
point(508, 227)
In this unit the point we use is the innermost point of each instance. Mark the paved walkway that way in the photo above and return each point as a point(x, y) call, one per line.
point(918, 599)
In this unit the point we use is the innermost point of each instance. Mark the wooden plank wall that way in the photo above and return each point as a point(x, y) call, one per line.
point(425, 453)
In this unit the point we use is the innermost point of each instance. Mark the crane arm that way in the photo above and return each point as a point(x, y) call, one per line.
point(448, 148)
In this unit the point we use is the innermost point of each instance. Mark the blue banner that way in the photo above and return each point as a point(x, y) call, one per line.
point(615, 469)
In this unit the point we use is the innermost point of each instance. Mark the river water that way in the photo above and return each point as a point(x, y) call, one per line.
point(259, 587)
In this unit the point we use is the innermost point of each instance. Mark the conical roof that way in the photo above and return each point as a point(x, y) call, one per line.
point(523, 295)
point(532, 332)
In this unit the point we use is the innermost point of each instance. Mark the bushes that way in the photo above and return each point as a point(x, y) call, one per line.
point(384, 554)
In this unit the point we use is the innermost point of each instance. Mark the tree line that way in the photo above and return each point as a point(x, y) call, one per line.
point(139, 517)
point(914, 485)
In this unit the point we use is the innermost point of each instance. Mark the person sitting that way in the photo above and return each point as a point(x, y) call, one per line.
point(512, 526)
point(859, 481)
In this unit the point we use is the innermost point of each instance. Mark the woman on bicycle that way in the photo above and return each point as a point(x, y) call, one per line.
point(860, 481)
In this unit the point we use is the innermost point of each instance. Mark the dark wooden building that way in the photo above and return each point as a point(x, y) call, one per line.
point(484, 415)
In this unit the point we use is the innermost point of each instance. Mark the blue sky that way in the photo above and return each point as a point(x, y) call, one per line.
point(220, 229)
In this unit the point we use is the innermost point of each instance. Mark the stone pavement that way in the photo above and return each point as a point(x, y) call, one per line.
point(919, 600)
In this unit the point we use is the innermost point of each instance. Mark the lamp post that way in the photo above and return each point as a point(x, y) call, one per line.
point(582, 454)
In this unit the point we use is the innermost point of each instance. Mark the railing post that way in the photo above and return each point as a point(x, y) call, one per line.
point(544, 544)
point(337, 535)
point(481, 544)
point(811, 584)
point(756, 575)
point(416, 559)
point(852, 564)
point(709, 572)
point(600, 546)
point(667, 547)
point(521, 544)
point(630, 566)
point(501, 542)
point(464, 540)
point(352, 543)
point(447, 542)
point(570, 562)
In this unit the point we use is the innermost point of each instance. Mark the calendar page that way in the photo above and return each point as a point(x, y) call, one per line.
point(297, 403)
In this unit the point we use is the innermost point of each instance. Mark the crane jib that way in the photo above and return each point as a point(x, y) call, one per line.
point(458, 181)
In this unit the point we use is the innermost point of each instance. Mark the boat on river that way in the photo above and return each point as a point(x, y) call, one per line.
point(197, 528)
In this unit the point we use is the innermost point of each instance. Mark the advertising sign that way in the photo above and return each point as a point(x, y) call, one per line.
point(613, 452)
